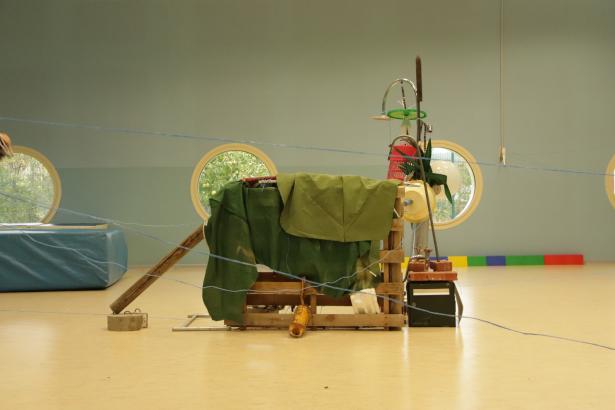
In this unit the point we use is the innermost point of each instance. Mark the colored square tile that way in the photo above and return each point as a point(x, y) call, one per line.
point(518, 260)
point(477, 261)
point(564, 260)
point(458, 261)
point(496, 260)
point(404, 264)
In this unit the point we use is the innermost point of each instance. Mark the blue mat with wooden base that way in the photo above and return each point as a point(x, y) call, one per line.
point(61, 257)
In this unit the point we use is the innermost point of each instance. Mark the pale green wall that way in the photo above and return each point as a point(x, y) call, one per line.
point(311, 73)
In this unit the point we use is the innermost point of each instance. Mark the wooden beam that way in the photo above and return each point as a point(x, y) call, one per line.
point(432, 276)
point(392, 256)
point(158, 270)
point(322, 320)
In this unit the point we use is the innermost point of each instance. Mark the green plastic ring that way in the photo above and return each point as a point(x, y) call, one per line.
point(405, 113)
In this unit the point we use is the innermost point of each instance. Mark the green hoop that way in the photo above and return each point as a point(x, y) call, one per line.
point(405, 113)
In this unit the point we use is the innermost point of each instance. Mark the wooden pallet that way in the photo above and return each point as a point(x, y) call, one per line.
point(288, 292)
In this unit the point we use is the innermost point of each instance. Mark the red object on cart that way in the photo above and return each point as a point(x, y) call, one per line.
point(252, 181)
point(396, 159)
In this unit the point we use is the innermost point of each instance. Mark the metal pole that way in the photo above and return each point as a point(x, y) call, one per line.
point(419, 123)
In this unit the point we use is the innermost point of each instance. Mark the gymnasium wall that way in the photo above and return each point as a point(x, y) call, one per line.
point(311, 73)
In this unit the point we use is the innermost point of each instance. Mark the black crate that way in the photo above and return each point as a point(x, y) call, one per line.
point(436, 296)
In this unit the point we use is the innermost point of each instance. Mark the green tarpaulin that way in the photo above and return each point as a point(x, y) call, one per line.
point(245, 225)
point(336, 208)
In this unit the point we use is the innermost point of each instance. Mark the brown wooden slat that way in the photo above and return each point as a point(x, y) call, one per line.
point(398, 224)
point(393, 256)
point(390, 288)
point(294, 288)
point(275, 277)
point(321, 320)
point(289, 288)
point(293, 300)
point(432, 276)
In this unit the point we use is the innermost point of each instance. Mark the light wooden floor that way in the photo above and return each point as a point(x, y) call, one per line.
point(53, 361)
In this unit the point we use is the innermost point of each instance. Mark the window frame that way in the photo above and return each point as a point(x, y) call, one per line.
point(53, 173)
point(196, 173)
point(478, 183)
point(609, 180)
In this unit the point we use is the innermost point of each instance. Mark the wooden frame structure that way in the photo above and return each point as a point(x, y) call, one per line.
point(273, 289)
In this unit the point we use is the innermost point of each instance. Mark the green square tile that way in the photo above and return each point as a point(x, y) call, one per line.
point(525, 260)
point(477, 261)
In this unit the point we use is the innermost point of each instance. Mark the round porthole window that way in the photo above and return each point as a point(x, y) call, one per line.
point(464, 179)
point(609, 181)
point(226, 163)
point(30, 186)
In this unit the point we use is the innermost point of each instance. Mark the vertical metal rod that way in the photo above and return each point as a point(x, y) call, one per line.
point(419, 98)
point(405, 105)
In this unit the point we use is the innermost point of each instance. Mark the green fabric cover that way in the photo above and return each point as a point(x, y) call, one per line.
point(245, 225)
point(336, 208)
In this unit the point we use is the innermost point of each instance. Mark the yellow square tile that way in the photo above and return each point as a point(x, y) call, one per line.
point(458, 261)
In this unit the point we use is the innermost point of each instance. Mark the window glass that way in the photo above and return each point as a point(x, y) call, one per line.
point(224, 164)
point(609, 181)
point(464, 180)
point(31, 187)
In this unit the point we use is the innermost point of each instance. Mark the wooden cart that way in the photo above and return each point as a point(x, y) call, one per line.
point(273, 289)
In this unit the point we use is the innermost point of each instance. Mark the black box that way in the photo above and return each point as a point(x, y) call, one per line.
point(436, 296)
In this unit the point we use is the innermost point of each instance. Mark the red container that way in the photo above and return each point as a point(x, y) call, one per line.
point(396, 159)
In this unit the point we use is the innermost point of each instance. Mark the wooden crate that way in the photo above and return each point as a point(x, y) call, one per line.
point(287, 292)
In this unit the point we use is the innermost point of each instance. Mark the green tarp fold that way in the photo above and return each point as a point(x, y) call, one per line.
point(336, 208)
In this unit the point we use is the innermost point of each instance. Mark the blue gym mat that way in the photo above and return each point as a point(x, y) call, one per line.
point(61, 257)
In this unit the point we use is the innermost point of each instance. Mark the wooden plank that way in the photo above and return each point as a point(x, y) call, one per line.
point(275, 277)
point(398, 224)
point(294, 288)
point(395, 239)
point(386, 277)
point(396, 305)
point(294, 300)
point(390, 288)
point(313, 304)
point(399, 205)
point(322, 320)
point(392, 256)
point(289, 288)
point(432, 276)
point(395, 272)
point(158, 270)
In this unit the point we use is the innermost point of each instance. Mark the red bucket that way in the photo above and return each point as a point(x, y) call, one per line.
point(396, 159)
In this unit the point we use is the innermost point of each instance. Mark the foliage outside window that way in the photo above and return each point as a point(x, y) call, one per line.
point(226, 167)
point(446, 211)
point(465, 181)
point(224, 164)
point(31, 187)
